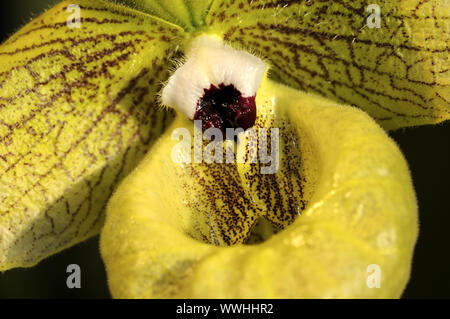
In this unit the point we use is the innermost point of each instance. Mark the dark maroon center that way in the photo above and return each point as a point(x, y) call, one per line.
point(224, 107)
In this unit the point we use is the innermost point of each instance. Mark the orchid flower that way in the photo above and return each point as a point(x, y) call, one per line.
point(93, 108)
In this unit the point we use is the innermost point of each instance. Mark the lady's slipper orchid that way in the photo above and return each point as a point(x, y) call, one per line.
point(79, 109)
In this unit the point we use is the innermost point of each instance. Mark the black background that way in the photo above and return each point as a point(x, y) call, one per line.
point(426, 148)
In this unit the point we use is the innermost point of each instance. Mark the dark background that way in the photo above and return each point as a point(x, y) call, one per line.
point(426, 148)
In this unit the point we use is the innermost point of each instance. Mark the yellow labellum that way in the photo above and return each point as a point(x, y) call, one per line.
point(78, 107)
point(360, 211)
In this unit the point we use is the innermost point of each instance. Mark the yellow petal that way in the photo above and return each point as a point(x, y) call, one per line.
point(77, 112)
point(360, 211)
point(398, 73)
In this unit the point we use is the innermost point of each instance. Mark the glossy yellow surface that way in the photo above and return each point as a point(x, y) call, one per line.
point(362, 212)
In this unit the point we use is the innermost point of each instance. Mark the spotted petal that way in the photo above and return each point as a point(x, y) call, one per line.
point(398, 73)
point(77, 111)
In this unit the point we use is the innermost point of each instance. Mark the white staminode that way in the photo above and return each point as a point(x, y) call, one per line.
point(210, 61)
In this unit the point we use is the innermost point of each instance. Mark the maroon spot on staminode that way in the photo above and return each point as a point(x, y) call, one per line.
point(224, 107)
